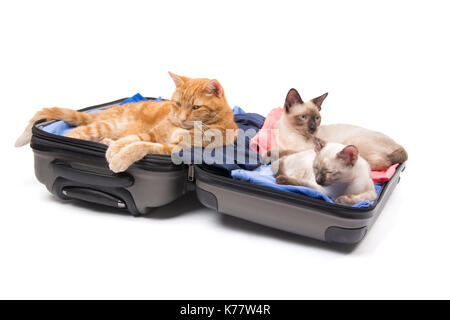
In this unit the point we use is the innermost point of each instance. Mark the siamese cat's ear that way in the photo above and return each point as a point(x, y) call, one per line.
point(319, 144)
point(349, 155)
point(318, 101)
point(179, 80)
point(292, 98)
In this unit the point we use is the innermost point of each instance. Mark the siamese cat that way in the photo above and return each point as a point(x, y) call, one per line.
point(296, 129)
point(333, 169)
point(300, 123)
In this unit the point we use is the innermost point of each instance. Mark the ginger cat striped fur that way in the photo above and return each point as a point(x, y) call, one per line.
point(134, 130)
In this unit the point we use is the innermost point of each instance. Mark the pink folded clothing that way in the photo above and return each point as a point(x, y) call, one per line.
point(264, 140)
point(383, 176)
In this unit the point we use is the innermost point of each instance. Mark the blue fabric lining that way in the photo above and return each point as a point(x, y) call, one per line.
point(263, 176)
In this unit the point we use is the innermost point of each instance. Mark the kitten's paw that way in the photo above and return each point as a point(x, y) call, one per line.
point(285, 180)
point(116, 146)
point(347, 200)
point(127, 156)
point(281, 180)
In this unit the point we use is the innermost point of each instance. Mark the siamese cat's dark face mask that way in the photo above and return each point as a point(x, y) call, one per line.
point(310, 120)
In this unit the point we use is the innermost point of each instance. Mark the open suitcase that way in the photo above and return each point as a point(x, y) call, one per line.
point(77, 169)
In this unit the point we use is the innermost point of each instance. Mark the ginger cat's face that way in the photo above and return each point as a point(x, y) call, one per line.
point(198, 100)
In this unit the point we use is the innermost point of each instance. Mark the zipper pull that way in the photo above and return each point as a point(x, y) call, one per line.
point(191, 173)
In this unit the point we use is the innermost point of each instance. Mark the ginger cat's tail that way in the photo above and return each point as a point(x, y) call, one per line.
point(68, 115)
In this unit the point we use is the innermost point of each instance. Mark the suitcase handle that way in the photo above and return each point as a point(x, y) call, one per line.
point(94, 196)
point(120, 180)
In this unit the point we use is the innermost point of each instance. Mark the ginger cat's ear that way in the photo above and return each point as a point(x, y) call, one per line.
point(179, 80)
point(349, 155)
point(214, 87)
point(318, 101)
point(292, 98)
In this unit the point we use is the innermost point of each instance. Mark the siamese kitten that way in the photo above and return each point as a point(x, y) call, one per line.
point(298, 125)
point(334, 169)
point(378, 149)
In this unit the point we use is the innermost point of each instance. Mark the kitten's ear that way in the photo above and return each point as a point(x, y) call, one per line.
point(292, 98)
point(349, 155)
point(319, 144)
point(179, 80)
point(318, 101)
point(214, 87)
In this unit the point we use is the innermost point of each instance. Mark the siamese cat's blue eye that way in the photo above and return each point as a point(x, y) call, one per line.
point(317, 118)
point(303, 117)
point(195, 107)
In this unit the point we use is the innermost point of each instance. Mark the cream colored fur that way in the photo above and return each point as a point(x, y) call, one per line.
point(377, 148)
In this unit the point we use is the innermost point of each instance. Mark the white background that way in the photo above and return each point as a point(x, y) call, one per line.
point(385, 65)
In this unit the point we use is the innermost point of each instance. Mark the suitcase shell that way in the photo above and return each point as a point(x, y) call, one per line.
point(296, 213)
point(77, 169)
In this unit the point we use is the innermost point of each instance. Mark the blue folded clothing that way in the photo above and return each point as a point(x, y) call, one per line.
point(227, 158)
point(264, 176)
point(136, 98)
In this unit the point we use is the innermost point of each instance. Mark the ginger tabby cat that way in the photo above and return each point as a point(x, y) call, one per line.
point(134, 130)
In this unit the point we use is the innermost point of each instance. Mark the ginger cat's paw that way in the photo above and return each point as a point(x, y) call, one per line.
point(127, 156)
point(118, 165)
point(116, 146)
point(106, 141)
